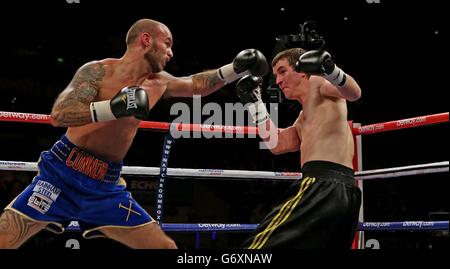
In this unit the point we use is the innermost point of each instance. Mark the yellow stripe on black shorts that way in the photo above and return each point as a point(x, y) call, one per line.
point(284, 213)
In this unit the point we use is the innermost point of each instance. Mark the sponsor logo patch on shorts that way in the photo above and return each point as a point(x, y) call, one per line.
point(47, 189)
point(44, 194)
point(39, 202)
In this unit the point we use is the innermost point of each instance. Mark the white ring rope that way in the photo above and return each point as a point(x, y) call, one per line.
point(409, 170)
point(428, 168)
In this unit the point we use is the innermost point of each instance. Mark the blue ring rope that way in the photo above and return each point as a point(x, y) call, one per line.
point(237, 227)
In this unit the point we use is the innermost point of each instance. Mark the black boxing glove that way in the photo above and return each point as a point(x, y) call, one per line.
point(249, 61)
point(248, 89)
point(130, 101)
point(319, 62)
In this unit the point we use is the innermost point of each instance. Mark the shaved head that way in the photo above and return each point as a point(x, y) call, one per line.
point(151, 40)
point(145, 25)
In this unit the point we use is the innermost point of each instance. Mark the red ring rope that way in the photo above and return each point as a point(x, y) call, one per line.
point(165, 126)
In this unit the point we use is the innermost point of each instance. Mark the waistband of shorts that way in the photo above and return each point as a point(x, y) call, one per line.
point(85, 162)
point(327, 169)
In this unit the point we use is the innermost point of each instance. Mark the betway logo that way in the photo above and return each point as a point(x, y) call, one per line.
point(411, 121)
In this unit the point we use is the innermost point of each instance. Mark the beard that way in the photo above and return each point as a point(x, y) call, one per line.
point(151, 59)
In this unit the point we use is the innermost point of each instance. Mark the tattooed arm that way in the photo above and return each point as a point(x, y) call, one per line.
point(203, 84)
point(71, 108)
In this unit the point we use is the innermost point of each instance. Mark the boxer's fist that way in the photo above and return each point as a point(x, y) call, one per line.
point(130, 101)
point(247, 62)
point(248, 89)
point(315, 62)
point(253, 61)
point(319, 62)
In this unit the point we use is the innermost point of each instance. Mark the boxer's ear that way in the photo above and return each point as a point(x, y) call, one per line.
point(146, 39)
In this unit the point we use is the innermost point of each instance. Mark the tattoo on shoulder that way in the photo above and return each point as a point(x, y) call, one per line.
point(71, 108)
point(85, 84)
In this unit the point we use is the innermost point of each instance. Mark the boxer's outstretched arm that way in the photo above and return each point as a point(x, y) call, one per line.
point(206, 82)
point(203, 84)
point(249, 61)
point(71, 108)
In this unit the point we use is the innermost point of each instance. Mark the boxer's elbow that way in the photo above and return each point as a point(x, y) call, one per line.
point(56, 118)
point(285, 141)
point(281, 149)
point(354, 91)
point(276, 151)
point(60, 118)
point(354, 95)
point(284, 151)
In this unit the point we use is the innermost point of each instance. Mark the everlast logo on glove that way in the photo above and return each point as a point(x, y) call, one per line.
point(131, 99)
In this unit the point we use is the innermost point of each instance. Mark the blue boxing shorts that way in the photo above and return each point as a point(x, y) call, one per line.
point(74, 185)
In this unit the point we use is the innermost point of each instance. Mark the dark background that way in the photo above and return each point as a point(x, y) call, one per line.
point(394, 50)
